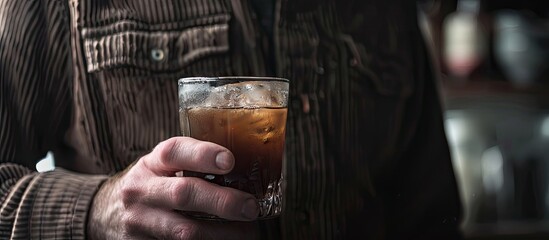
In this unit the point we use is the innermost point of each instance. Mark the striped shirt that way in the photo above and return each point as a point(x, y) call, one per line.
point(366, 150)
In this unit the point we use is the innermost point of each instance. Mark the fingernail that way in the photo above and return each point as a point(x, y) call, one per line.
point(250, 210)
point(223, 160)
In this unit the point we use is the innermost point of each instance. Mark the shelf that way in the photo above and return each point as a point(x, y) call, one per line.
point(470, 93)
point(508, 230)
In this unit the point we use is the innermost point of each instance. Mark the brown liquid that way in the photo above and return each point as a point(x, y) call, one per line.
point(254, 136)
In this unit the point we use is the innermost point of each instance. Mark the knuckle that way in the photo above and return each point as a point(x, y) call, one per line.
point(166, 150)
point(188, 231)
point(181, 192)
point(200, 151)
point(130, 223)
point(223, 202)
point(130, 195)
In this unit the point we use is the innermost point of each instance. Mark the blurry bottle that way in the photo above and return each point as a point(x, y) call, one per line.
point(521, 46)
point(465, 39)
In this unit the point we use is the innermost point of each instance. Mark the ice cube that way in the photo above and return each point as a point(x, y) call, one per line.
point(255, 95)
point(223, 96)
point(245, 95)
point(191, 95)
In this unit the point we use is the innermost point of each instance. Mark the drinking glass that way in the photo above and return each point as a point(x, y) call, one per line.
point(247, 115)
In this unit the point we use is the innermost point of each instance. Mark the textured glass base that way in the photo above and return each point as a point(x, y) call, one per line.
point(270, 205)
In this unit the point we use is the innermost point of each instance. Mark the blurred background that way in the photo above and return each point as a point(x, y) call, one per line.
point(493, 61)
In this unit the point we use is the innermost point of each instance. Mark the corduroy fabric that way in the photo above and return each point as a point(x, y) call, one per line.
point(366, 151)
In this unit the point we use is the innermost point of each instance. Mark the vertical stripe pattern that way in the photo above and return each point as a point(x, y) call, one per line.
point(94, 81)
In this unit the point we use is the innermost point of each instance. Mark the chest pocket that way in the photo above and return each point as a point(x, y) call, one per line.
point(131, 60)
point(165, 48)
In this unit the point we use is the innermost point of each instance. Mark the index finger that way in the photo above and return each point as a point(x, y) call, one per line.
point(184, 153)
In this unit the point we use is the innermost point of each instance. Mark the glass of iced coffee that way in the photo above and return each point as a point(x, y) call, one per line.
point(247, 115)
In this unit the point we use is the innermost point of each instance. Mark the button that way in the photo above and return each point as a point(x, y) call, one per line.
point(157, 55)
point(320, 70)
point(354, 62)
point(305, 103)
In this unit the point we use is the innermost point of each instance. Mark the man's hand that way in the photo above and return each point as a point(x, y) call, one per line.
point(145, 200)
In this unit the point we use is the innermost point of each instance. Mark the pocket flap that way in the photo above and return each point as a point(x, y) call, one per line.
point(158, 50)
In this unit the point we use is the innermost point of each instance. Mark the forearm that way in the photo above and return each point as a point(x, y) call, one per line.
point(44, 205)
